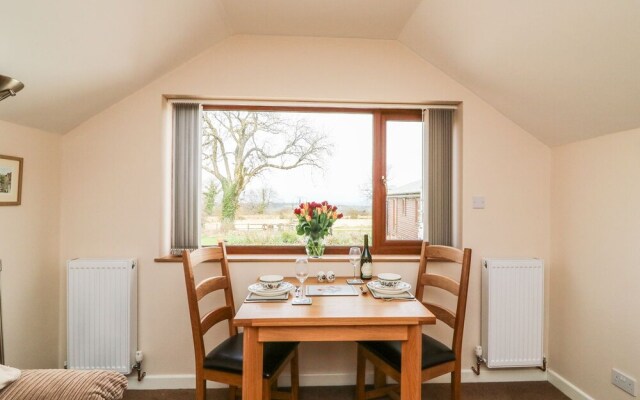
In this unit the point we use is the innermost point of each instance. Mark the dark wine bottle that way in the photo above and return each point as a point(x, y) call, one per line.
point(366, 265)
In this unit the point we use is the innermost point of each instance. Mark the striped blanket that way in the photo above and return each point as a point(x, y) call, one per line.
point(62, 384)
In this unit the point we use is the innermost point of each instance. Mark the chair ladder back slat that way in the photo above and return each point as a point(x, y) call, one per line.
point(215, 316)
point(445, 315)
point(461, 310)
point(210, 285)
point(206, 254)
point(442, 282)
point(444, 253)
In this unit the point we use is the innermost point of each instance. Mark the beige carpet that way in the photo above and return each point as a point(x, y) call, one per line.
point(470, 391)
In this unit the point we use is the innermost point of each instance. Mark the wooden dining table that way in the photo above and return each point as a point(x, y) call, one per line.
point(332, 319)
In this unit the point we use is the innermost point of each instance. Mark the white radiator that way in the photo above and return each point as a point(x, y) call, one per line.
point(512, 312)
point(101, 314)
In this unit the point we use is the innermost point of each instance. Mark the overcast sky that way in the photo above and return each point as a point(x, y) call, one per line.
point(348, 170)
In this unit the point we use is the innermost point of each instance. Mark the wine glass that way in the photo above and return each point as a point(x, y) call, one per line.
point(354, 259)
point(302, 272)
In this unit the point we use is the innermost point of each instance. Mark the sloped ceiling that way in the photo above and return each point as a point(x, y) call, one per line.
point(563, 71)
point(78, 57)
point(373, 19)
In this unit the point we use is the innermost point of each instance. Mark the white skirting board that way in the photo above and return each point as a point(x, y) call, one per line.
point(186, 381)
point(566, 387)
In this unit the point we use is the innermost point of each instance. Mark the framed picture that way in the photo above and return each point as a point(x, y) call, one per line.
point(10, 180)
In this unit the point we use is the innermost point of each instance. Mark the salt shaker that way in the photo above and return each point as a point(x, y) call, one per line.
point(331, 276)
point(321, 276)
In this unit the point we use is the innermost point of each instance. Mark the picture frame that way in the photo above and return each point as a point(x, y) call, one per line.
point(10, 180)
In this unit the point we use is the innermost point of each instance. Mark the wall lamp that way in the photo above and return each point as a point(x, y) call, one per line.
point(9, 87)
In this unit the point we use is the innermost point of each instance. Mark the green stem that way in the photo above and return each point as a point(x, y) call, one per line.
point(315, 246)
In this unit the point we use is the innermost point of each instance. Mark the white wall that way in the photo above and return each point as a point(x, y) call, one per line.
point(29, 250)
point(115, 180)
point(595, 279)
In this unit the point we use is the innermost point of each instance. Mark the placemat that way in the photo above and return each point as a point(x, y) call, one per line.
point(254, 298)
point(404, 295)
point(331, 290)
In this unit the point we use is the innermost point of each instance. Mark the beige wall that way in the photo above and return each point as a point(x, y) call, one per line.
point(115, 177)
point(595, 279)
point(29, 250)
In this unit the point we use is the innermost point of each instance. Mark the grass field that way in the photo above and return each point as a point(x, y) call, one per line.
point(276, 227)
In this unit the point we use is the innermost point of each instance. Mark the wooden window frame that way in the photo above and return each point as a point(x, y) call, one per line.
point(382, 245)
point(379, 243)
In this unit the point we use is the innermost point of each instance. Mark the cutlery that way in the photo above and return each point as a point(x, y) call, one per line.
point(398, 298)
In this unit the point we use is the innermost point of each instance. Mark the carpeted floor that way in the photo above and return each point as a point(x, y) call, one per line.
point(470, 391)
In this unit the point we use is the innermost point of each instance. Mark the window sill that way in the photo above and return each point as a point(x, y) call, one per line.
point(245, 258)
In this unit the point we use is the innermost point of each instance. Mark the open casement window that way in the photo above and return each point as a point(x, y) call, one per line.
point(259, 163)
point(413, 180)
point(398, 193)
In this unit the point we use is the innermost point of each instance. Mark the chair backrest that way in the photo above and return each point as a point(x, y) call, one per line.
point(200, 325)
point(449, 255)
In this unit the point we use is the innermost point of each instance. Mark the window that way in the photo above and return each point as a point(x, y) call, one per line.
point(399, 148)
point(260, 163)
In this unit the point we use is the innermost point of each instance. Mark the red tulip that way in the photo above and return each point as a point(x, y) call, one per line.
point(340, 215)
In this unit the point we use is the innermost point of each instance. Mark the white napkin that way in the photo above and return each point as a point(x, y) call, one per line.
point(8, 375)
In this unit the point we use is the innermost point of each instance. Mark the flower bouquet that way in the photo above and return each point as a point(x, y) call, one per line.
point(314, 222)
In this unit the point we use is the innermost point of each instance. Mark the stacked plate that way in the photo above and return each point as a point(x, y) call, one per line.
point(378, 287)
point(260, 290)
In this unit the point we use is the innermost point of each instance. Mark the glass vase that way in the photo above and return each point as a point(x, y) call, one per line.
point(315, 246)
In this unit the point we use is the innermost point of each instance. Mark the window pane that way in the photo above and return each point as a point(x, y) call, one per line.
point(260, 165)
point(404, 180)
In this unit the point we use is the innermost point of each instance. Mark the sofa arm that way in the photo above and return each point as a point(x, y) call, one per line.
point(62, 384)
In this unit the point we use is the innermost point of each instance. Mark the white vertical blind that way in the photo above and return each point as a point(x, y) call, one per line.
point(440, 177)
point(187, 167)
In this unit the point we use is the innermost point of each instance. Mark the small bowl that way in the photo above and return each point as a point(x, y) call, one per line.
point(271, 281)
point(389, 280)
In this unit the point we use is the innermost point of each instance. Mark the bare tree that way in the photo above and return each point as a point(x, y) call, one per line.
point(265, 194)
point(241, 145)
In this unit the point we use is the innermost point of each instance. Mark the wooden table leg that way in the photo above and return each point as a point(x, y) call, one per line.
point(252, 365)
point(411, 381)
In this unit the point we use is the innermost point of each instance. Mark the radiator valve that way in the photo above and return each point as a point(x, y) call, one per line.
point(479, 360)
point(138, 365)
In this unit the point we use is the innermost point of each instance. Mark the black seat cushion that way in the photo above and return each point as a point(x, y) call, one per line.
point(433, 352)
point(227, 356)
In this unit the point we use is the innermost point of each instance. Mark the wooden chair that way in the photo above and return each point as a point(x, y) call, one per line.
point(437, 358)
point(224, 363)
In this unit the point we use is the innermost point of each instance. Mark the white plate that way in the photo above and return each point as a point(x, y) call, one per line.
point(261, 291)
point(378, 287)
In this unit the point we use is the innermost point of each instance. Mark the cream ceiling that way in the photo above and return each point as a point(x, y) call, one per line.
point(563, 71)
